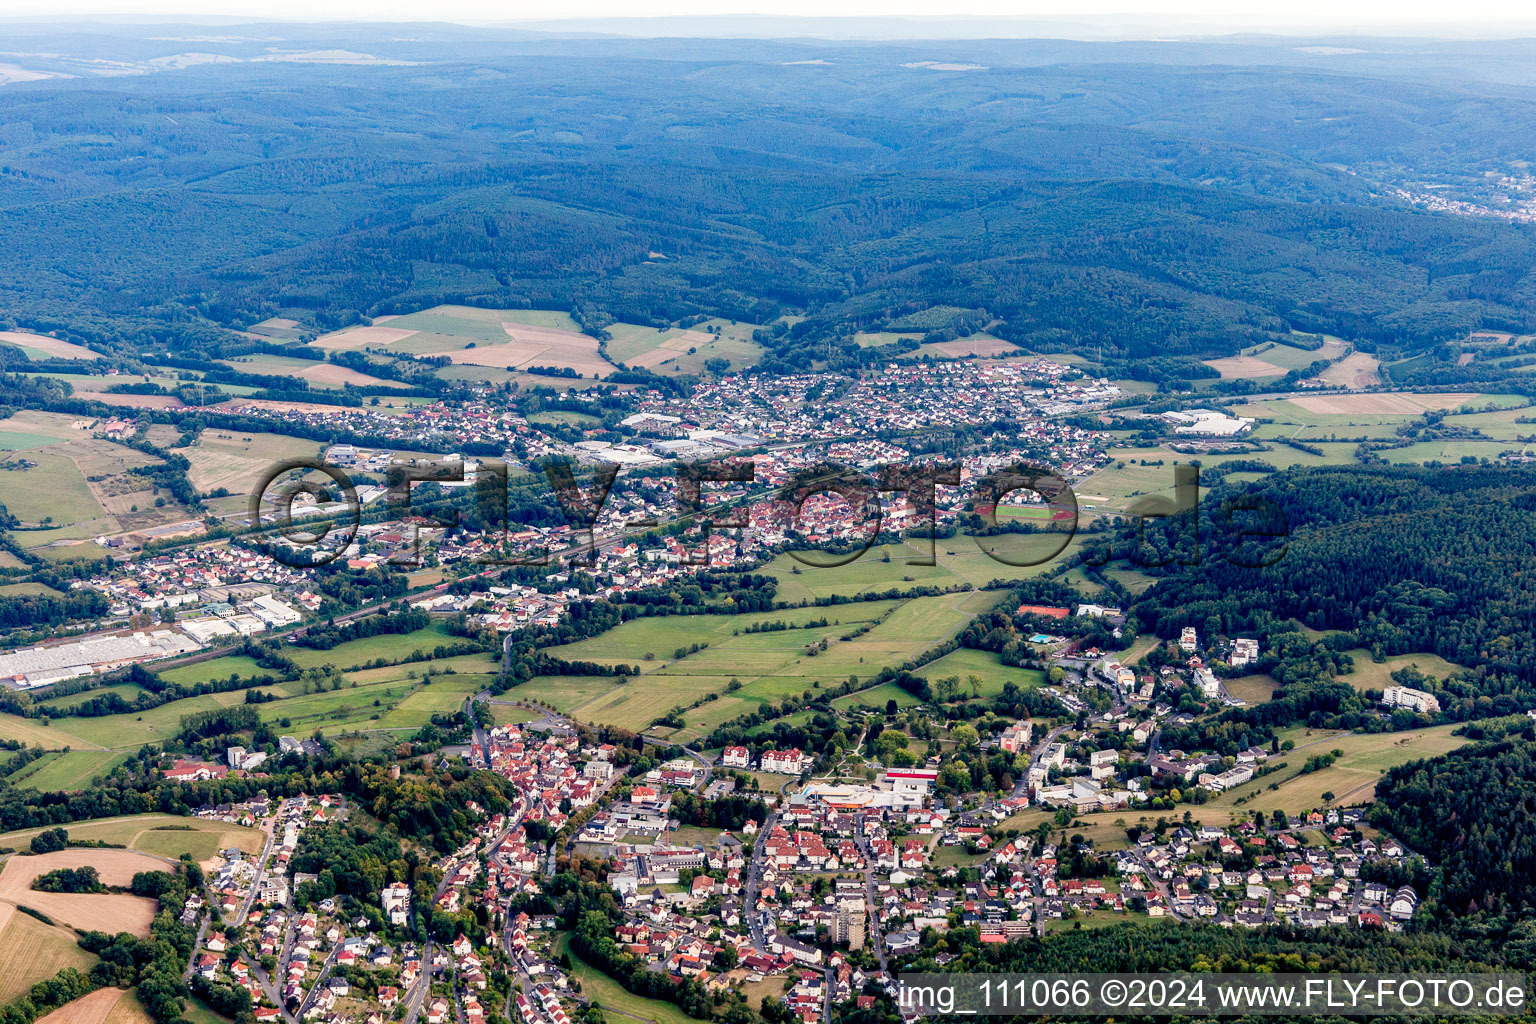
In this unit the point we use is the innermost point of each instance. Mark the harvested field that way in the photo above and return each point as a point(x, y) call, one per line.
point(316, 372)
point(166, 835)
point(363, 337)
point(678, 344)
point(90, 1009)
point(132, 401)
point(507, 356)
point(110, 912)
point(1244, 367)
point(1357, 370)
point(980, 346)
point(48, 346)
point(1390, 404)
point(116, 867)
point(33, 951)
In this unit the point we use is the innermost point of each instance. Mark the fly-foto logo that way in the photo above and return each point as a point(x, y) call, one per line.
point(1043, 518)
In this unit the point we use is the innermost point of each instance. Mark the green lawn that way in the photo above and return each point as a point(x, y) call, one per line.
point(1369, 675)
point(608, 993)
point(216, 668)
point(67, 771)
point(164, 834)
point(987, 666)
point(390, 647)
point(127, 691)
point(52, 489)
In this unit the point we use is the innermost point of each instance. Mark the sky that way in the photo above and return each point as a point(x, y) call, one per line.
point(1183, 17)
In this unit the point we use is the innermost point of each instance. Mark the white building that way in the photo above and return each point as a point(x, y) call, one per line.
point(1243, 652)
point(1408, 697)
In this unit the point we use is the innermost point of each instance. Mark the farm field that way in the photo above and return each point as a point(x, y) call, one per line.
point(317, 372)
point(1351, 779)
point(33, 951)
point(214, 668)
point(668, 351)
point(507, 714)
point(236, 461)
point(95, 1008)
point(1356, 370)
point(1347, 413)
point(1245, 367)
point(1141, 473)
point(41, 346)
point(769, 665)
point(49, 737)
point(53, 490)
point(564, 417)
point(109, 912)
point(166, 835)
point(501, 339)
point(661, 636)
point(1451, 451)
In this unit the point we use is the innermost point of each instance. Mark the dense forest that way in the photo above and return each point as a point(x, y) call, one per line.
point(1404, 558)
point(1132, 202)
point(1472, 812)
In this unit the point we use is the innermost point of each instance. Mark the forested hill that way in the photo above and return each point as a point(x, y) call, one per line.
point(1127, 200)
point(1414, 558)
point(1473, 813)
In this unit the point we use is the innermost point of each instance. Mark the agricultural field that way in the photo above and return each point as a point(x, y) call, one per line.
point(1142, 473)
point(1273, 359)
point(52, 491)
point(390, 647)
point(564, 418)
point(498, 339)
point(1356, 370)
point(509, 714)
point(236, 461)
point(165, 835)
point(95, 1008)
point(769, 665)
point(1342, 412)
point(215, 668)
point(41, 346)
point(1501, 424)
point(1351, 779)
point(318, 373)
point(33, 951)
point(109, 912)
point(661, 636)
point(1453, 451)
